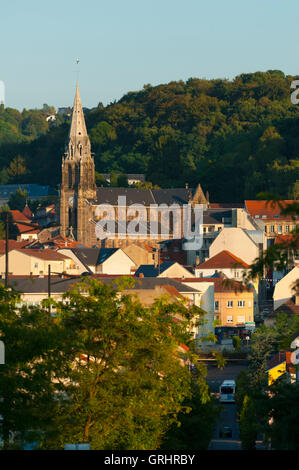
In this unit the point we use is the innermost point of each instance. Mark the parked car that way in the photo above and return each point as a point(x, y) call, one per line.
point(226, 431)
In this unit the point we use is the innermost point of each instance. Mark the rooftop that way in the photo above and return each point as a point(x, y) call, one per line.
point(223, 260)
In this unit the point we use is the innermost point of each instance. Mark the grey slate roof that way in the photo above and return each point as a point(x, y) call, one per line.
point(93, 256)
point(149, 270)
point(142, 196)
point(40, 284)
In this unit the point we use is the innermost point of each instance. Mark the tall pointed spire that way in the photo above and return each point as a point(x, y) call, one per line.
point(79, 143)
point(78, 127)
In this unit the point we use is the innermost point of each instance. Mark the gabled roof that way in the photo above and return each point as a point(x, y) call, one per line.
point(93, 256)
point(223, 260)
point(151, 270)
point(168, 196)
point(18, 216)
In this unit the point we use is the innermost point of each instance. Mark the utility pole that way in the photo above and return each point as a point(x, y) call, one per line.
point(6, 250)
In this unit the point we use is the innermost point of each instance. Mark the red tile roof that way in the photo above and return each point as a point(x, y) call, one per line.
point(30, 228)
point(223, 260)
point(50, 255)
point(270, 210)
point(12, 244)
point(289, 307)
point(18, 216)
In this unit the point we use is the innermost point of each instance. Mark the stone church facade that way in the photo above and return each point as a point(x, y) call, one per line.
point(80, 199)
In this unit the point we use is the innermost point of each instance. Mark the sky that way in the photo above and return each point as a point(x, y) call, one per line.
point(124, 44)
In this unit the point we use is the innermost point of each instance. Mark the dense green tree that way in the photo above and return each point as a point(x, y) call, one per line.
point(18, 200)
point(242, 132)
point(248, 424)
point(194, 430)
point(101, 369)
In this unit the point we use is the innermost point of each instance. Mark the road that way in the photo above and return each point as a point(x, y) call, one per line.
point(228, 416)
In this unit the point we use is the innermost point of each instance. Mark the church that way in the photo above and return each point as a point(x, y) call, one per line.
point(81, 199)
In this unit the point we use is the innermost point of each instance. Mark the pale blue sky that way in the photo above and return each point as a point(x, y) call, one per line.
point(123, 45)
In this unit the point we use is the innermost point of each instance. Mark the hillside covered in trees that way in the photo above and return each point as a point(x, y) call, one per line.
point(237, 138)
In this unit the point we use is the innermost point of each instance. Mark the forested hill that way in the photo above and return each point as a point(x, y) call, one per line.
point(237, 138)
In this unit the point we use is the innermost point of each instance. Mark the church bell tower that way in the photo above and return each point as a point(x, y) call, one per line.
point(78, 179)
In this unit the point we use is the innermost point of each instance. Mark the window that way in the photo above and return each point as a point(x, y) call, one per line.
point(229, 319)
point(266, 229)
point(279, 229)
point(271, 228)
point(287, 228)
point(240, 319)
point(237, 273)
point(36, 265)
point(241, 303)
point(217, 305)
point(229, 304)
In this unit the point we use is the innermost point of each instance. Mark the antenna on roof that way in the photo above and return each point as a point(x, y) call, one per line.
point(77, 69)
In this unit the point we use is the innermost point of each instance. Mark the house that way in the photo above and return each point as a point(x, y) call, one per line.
point(268, 216)
point(34, 289)
point(233, 305)
point(170, 269)
point(45, 216)
point(231, 267)
point(229, 264)
point(244, 244)
point(284, 289)
point(26, 230)
point(172, 250)
point(279, 365)
point(100, 260)
point(34, 262)
point(140, 254)
point(206, 301)
point(215, 218)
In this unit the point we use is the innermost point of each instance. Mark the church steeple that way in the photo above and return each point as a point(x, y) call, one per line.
point(78, 176)
point(79, 143)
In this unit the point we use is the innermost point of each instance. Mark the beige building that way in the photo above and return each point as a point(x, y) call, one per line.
point(268, 216)
point(100, 260)
point(26, 262)
point(244, 244)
